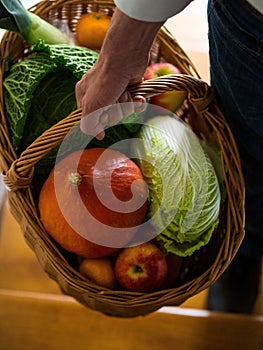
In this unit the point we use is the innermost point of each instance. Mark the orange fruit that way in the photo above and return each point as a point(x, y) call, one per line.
point(100, 271)
point(91, 29)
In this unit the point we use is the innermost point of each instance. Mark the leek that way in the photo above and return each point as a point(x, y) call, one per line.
point(14, 17)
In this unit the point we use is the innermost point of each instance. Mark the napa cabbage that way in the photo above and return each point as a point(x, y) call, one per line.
point(184, 192)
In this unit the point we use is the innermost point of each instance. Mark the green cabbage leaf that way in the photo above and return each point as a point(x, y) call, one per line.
point(40, 89)
point(184, 192)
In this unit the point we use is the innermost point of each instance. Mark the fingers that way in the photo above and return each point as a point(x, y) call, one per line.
point(79, 94)
point(91, 125)
point(95, 122)
point(124, 109)
point(125, 106)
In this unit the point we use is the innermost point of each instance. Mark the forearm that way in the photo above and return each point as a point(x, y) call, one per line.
point(127, 44)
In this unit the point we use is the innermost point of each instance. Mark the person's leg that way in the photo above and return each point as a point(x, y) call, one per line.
point(236, 65)
point(238, 288)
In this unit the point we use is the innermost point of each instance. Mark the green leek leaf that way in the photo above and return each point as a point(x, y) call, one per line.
point(14, 17)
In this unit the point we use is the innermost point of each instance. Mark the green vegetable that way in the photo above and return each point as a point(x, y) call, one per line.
point(14, 17)
point(77, 140)
point(53, 99)
point(77, 59)
point(184, 194)
point(40, 90)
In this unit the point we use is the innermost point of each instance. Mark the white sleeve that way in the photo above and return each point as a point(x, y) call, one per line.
point(151, 10)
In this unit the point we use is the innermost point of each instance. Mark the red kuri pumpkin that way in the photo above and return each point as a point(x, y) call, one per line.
point(91, 203)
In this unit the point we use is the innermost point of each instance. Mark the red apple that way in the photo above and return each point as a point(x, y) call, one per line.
point(171, 100)
point(142, 268)
point(159, 69)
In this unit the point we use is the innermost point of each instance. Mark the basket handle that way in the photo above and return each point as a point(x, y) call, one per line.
point(20, 174)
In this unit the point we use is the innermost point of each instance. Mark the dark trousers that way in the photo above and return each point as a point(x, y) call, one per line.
point(236, 65)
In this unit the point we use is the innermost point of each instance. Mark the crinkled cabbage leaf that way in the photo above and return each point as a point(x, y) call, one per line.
point(39, 90)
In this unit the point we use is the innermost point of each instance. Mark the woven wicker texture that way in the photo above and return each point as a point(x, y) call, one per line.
point(205, 266)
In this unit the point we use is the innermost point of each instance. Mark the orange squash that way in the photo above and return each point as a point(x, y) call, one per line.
point(91, 204)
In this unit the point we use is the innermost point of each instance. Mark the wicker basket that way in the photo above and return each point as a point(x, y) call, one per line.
point(198, 271)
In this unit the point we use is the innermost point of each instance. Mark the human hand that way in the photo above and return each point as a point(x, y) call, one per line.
point(103, 96)
point(102, 92)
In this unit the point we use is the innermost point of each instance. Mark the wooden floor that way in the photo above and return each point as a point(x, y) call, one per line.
point(33, 322)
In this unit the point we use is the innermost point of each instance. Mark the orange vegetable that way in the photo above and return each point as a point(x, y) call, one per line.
point(75, 215)
point(91, 29)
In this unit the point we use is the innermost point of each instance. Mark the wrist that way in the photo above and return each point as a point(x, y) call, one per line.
point(128, 43)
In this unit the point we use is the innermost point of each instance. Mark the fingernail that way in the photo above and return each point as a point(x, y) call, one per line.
point(100, 136)
point(139, 100)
